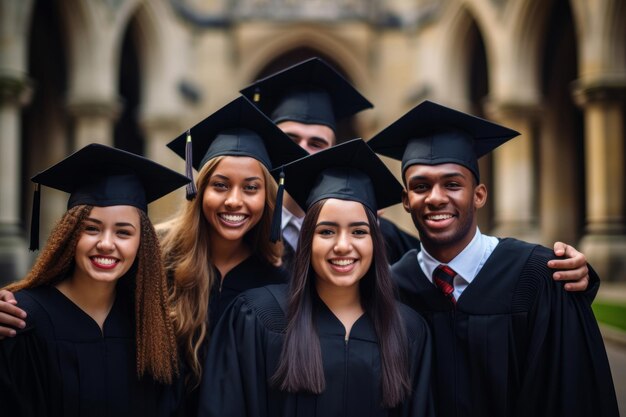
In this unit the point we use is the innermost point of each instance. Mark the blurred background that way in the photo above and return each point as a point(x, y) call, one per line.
point(137, 73)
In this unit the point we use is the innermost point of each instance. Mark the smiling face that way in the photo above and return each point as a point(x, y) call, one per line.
point(442, 200)
point(342, 247)
point(234, 199)
point(312, 138)
point(108, 244)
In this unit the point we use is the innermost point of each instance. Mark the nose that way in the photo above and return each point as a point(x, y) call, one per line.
point(233, 200)
point(343, 245)
point(106, 243)
point(437, 196)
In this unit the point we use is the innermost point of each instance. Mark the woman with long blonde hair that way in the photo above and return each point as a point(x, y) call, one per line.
point(98, 333)
point(219, 244)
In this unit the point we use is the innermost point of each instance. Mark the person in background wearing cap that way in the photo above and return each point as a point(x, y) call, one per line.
point(219, 244)
point(306, 101)
point(508, 340)
point(335, 341)
point(98, 332)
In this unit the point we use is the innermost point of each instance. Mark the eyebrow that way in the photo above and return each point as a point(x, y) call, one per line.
point(245, 179)
point(449, 175)
point(118, 224)
point(353, 224)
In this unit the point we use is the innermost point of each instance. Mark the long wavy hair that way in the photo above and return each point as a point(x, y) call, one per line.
point(187, 254)
point(300, 366)
point(154, 335)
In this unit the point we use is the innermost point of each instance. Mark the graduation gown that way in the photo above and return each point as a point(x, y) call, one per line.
point(251, 273)
point(245, 350)
point(397, 241)
point(62, 364)
point(516, 344)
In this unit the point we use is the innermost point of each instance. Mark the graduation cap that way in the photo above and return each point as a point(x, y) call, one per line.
point(237, 129)
point(101, 176)
point(349, 171)
point(310, 92)
point(432, 134)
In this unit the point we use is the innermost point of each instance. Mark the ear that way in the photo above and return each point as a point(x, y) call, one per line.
point(405, 201)
point(480, 196)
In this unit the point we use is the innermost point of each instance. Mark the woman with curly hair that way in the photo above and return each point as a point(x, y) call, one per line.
point(99, 339)
point(219, 244)
point(335, 341)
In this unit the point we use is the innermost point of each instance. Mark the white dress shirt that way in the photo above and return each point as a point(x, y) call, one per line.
point(466, 264)
point(290, 227)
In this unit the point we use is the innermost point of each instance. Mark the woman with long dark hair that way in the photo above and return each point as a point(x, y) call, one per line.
point(335, 342)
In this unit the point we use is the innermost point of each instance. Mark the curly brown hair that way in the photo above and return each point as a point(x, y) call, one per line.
point(187, 255)
point(154, 337)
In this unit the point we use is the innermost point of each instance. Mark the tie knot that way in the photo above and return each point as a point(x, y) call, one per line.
point(443, 278)
point(447, 270)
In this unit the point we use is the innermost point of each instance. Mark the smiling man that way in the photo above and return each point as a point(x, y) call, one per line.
point(508, 340)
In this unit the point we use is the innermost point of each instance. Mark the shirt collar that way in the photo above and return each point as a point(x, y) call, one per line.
point(290, 217)
point(466, 264)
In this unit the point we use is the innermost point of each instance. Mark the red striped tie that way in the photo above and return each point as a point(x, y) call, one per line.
point(444, 279)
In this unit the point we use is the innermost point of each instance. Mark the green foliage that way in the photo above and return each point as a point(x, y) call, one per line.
point(611, 313)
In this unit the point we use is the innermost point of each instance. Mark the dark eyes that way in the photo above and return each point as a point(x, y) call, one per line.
point(94, 230)
point(221, 186)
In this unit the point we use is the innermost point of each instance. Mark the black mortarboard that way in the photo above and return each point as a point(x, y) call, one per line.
point(237, 129)
point(432, 134)
point(98, 175)
point(310, 92)
point(349, 171)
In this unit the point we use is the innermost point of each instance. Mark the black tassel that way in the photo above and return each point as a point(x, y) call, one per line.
point(34, 220)
point(191, 187)
point(275, 231)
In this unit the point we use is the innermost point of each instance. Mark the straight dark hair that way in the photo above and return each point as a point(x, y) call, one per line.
point(300, 367)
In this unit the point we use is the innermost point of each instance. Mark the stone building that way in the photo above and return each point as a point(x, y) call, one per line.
point(136, 73)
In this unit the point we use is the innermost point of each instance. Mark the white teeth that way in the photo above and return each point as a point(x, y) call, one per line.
point(342, 262)
point(233, 217)
point(440, 216)
point(104, 261)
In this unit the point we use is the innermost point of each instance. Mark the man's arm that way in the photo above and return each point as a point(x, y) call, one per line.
point(11, 316)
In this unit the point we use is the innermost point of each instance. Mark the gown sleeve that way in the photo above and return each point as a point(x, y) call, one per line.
point(24, 379)
point(421, 402)
point(234, 381)
point(568, 371)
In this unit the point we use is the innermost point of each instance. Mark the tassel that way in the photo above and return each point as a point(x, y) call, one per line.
point(191, 187)
point(257, 95)
point(275, 231)
point(34, 220)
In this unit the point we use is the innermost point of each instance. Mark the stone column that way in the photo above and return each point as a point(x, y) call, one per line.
point(15, 88)
point(159, 131)
point(514, 172)
point(604, 242)
point(14, 257)
point(94, 120)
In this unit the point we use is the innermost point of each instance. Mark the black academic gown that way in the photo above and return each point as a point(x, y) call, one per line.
point(397, 241)
point(516, 344)
point(62, 364)
point(251, 273)
point(246, 347)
